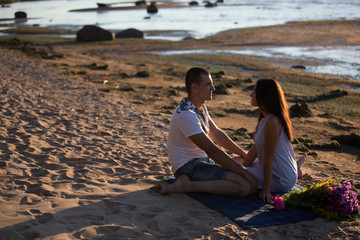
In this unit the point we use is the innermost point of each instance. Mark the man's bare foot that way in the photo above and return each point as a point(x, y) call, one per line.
point(179, 186)
point(299, 163)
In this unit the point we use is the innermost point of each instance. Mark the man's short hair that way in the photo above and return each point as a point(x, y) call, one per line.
point(194, 75)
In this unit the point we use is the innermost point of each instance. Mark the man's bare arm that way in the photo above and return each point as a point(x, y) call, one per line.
point(222, 139)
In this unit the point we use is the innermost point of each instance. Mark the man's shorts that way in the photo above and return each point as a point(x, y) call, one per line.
point(202, 169)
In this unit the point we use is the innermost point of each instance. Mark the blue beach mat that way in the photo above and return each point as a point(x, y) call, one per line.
point(251, 212)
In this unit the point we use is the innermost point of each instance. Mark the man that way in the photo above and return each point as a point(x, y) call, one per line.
point(200, 165)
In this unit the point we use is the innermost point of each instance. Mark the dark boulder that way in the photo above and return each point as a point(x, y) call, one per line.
point(302, 110)
point(130, 33)
point(299, 67)
point(104, 5)
point(352, 139)
point(152, 8)
point(209, 4)
point(20, 15)
point(140, 3)
point(193, 3)
point(94, 33)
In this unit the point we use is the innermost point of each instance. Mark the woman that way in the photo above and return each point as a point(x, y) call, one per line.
point(271, 159)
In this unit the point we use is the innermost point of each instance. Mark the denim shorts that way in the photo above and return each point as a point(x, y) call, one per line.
point(202, 169)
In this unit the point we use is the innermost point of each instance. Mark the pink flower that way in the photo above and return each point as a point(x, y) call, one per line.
point(279, 202)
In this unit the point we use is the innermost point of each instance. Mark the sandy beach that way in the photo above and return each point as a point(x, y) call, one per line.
point(83, 133)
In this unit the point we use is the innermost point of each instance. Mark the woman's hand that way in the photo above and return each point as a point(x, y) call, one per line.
point(265, 196)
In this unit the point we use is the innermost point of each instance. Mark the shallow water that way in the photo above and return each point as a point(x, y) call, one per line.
point(199, 22)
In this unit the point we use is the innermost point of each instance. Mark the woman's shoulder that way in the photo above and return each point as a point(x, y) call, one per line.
point(271, 117)
point(272, 121)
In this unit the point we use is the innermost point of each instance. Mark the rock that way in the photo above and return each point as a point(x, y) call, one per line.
point(302, 110)
point(143, 74)
point(352, 139)
point(209, 4)
point(130, 33)
point(140, 3)
point(104, 5)
point(152, 8)
point(299, 67)
point(94, 33)
point(20, 15)
point(193, 3)
point(3, 164)
point(221, 90)
point(174, 92)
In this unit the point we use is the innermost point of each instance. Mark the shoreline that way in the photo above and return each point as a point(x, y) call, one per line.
point(84, 132)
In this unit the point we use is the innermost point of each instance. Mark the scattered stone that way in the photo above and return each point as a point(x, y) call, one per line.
point(299, 67)
point(104, 90)
point(94, 66)
point(241, 132)
point(143, 74)
point(152, 8)
point(94, 33)
point(20, 15)
point(3, 164)
point(104, 5)
point(124, 75)
point(331, 95)
point(352, 139)
point(221, 90)
point(312, 154)
point(140, 3)
point(219, 74)
point(248, 80)
point(174, 92)
point(209, 4)
point(127, 89)
point(332, 145)
point(130, 33)
point(249, 88)
point(193, 3)
point(28, 48)
point(302, 110)
point(306, 140)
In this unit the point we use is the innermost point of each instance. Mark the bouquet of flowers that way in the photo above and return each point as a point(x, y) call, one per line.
point(331, 199)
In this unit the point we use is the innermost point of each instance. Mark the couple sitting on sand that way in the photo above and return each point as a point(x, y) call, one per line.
point(200, 165)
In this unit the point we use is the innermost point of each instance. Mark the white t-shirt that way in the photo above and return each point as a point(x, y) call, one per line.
point(186, 122)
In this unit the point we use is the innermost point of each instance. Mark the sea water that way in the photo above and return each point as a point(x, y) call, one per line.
point(199, 22)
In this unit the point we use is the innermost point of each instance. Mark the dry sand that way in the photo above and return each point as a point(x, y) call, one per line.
point(78, 162)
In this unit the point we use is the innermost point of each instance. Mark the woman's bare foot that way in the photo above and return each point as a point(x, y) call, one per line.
point(179, 186)
point(299, 163)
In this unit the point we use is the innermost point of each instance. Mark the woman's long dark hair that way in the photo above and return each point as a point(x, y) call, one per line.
point(271, 98)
